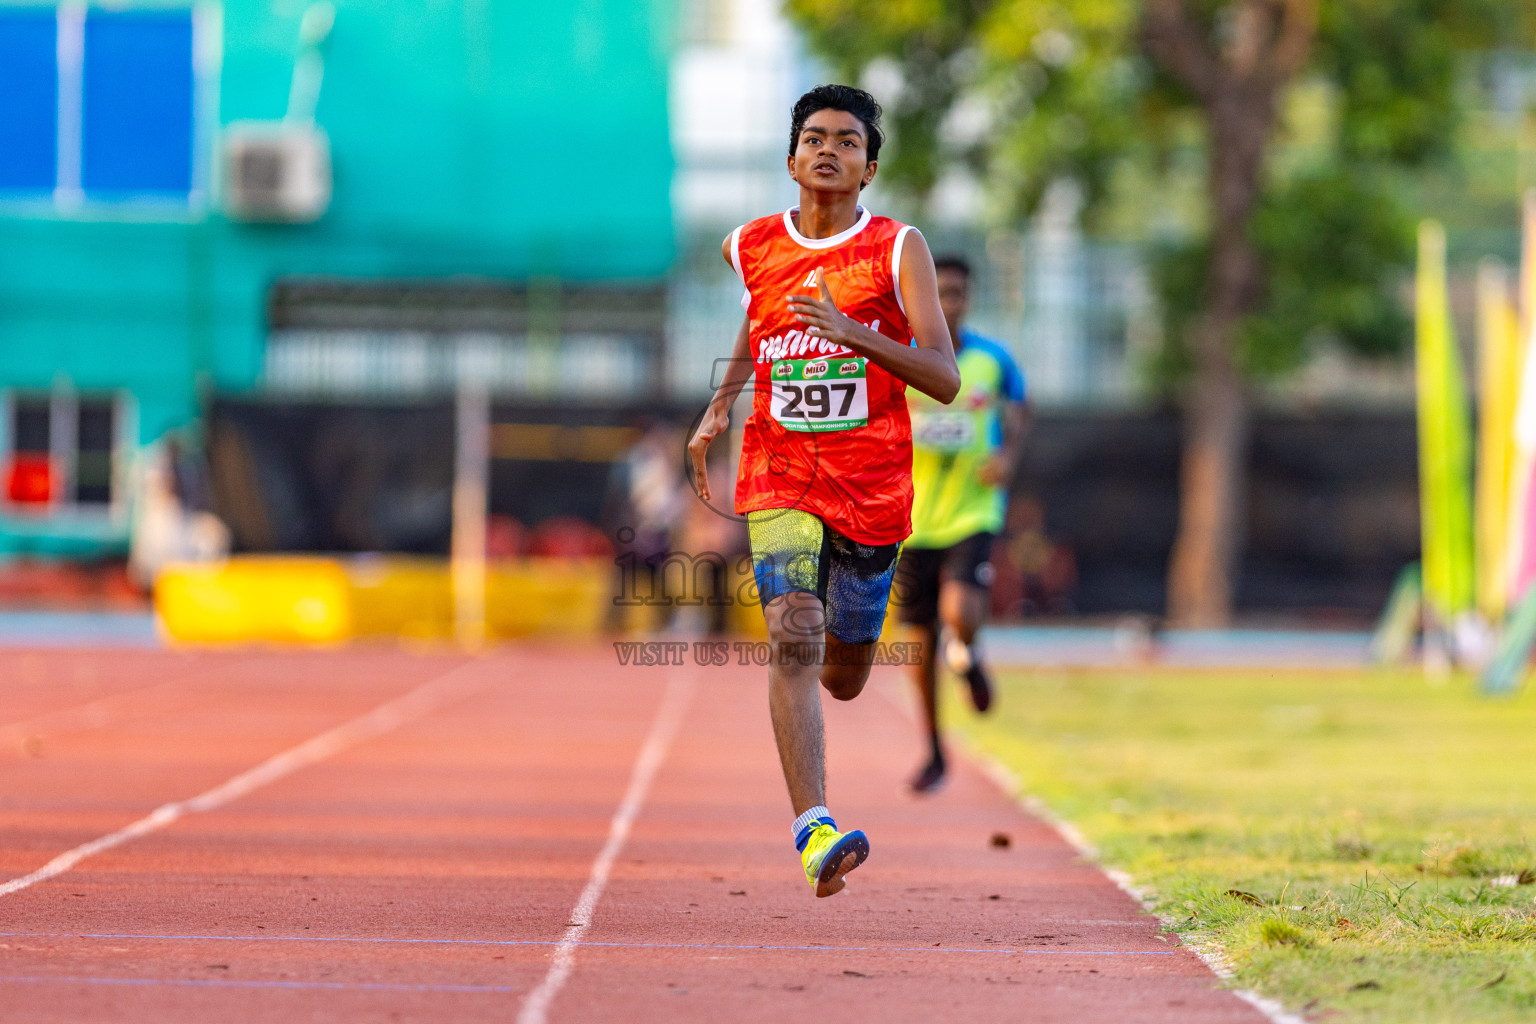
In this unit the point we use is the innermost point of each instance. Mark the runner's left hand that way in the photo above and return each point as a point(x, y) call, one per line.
point(821, 315)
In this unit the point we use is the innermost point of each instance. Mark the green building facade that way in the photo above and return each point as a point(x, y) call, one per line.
point(501, 141)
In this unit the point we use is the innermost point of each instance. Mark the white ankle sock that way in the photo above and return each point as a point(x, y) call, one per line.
point(958, 655)
point(802, 826)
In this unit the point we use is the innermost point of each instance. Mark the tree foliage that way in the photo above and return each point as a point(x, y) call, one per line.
point(929, 40)
point(1071, 89)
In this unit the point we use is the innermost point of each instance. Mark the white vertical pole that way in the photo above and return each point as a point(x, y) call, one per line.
point(471, 471)
point(68, 191)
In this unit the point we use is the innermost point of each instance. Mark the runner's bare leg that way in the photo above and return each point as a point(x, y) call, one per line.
point(963, 609)
point(794, 703)
point(926, 675)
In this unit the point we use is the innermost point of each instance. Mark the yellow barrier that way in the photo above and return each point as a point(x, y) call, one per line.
point(319, 600)
point(316, 600)
point(404, 597)
point(282, 600)
point(548, 597)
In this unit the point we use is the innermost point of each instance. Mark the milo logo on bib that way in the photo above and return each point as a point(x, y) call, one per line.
point(803, 400)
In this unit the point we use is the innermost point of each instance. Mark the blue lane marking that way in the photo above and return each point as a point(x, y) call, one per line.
point(369, 986)
point(620, 945)
point(79, 629)
point(1100, 646)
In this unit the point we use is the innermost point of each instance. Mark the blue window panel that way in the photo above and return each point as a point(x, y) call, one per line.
point(29, 99)
point(136, 136)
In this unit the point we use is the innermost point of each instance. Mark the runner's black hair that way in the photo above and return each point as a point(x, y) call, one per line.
point(839, 97)
point(953, 261)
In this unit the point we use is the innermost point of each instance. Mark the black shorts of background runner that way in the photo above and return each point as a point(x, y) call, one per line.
point(922, 571)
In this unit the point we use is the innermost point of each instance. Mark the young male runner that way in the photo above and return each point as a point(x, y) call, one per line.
point(962, 460)
point(842, 314)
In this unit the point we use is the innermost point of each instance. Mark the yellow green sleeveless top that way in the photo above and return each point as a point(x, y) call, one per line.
point(951, 443)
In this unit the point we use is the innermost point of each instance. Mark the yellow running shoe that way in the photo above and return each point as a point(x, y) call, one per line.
point(829, 855)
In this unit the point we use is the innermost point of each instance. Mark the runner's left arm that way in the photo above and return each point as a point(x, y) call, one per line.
point(928, 365)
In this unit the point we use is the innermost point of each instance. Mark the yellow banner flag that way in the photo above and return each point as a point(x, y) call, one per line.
point(1498, 389)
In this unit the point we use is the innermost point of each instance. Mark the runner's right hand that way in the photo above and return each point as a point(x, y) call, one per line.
point(714, 424)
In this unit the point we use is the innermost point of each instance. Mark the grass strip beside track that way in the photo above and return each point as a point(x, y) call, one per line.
point(1353, 842)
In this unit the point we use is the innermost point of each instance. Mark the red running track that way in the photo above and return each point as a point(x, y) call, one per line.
point(435, 861)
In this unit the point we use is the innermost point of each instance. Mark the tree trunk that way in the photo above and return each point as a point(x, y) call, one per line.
point(1204, 564)
point(1211, 491)
point(1235, 66)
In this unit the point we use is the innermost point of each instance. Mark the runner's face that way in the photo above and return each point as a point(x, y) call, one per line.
point(954, 298)
point(831, 155)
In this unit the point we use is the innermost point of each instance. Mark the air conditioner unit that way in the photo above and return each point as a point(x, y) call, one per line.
point(276, 171)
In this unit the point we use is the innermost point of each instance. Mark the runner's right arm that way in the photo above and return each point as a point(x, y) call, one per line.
point(717, 417)
point(929, 364)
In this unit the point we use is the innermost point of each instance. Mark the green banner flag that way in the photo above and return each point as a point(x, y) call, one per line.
point(1445, 442)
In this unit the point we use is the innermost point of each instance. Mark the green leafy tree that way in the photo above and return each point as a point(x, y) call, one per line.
point(1281, 128)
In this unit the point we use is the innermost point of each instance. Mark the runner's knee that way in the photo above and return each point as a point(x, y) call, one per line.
point(847, 668)
point(844, 682)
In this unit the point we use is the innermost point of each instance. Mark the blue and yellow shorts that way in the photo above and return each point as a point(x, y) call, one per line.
point(794, 550)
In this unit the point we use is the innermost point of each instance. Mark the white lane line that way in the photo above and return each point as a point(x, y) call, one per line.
point(380, 720)
point(669, 717)
point(1213, 957)
point(1012, 788)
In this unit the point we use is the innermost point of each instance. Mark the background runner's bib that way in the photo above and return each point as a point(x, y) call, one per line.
point(820, 394)
point(829, 432)
point(944, 431)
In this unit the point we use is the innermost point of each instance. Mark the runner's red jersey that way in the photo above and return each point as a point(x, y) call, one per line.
point(829, 432)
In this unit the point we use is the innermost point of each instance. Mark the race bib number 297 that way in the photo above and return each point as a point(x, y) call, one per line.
point(820, 394)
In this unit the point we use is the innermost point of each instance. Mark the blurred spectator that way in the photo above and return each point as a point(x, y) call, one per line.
point(1036, 575)
point(645, 505)
point(171, 517)
point(714, 538)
